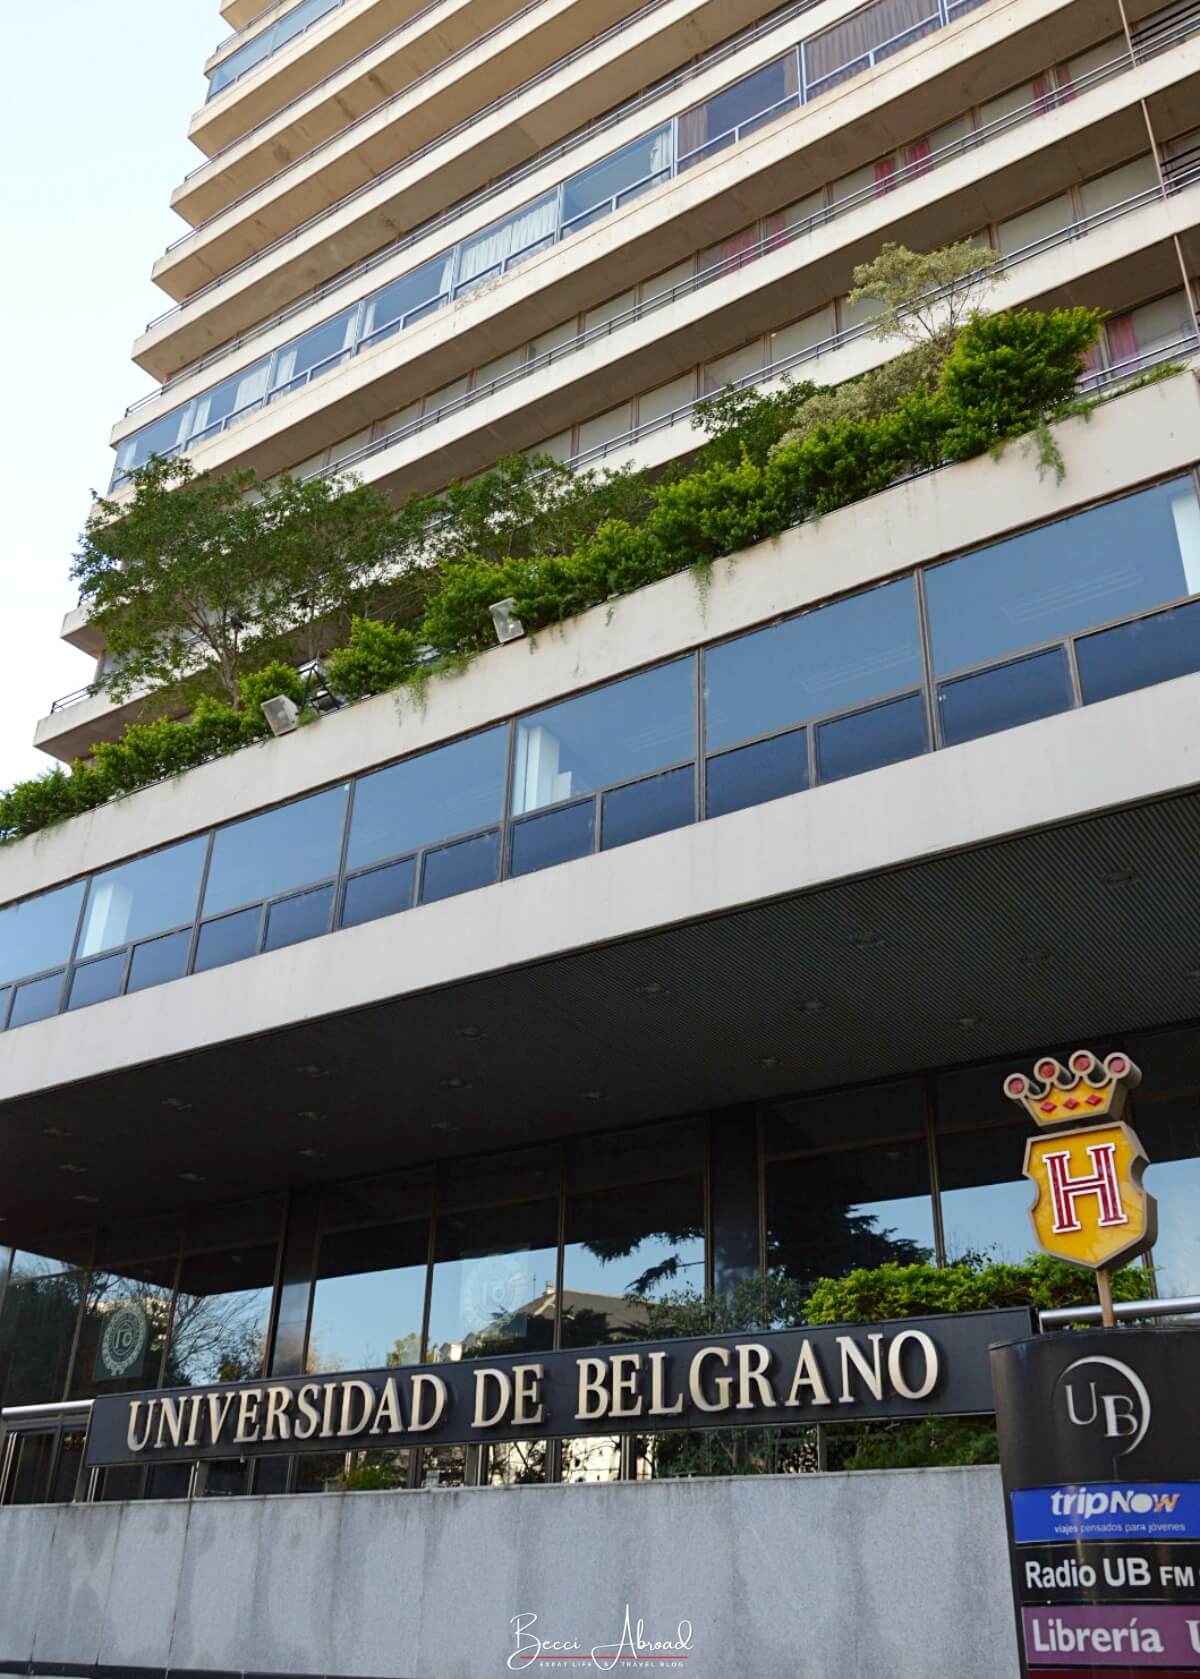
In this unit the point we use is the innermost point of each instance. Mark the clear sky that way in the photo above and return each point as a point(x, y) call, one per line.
point(95, 115)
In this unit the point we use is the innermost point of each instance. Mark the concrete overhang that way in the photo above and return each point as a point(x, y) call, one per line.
point(320, 53)
point(1038, 887)
point(420, 80)
point(979, 56)
point(238, 13)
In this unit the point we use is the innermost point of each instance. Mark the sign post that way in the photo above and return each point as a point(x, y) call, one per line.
point(1099, 1449)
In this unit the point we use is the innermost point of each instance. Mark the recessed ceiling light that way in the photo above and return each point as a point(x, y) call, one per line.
point(311, 1113)
point(1193, 973)
point(768, 1061)
point(813, 1005)
point(54, 1131)
point(1037, 956)
point(176, 1102)
point(969, 1020)
point(311, 1153)
point(1120, 877)
point(653, 988)
point(311, 1070)
point(190, 1177)
point(76, 1171)
point(455, 1084)
point(468, 1032)
point(593, 1095)
point(866, 940)
point(441, 1125)
point(88, 1200)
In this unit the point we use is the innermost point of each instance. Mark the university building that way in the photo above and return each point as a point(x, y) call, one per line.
point(689, 942)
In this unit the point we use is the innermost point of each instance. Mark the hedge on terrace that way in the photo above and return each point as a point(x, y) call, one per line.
point(559, 543)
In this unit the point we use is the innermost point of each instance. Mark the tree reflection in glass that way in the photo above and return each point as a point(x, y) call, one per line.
point(222, 1316)
point(625, 1247)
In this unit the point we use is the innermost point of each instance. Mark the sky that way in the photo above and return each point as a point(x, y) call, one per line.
point(94, 124)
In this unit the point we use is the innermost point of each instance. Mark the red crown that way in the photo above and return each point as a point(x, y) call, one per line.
point(1085, 1089)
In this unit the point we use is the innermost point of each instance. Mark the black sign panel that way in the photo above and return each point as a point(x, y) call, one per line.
point(1101, 1464)
point(915, 1367)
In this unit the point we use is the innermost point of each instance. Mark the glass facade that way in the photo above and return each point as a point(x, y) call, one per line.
point(1096, 604)
point(566, 1245)
point(577, 203)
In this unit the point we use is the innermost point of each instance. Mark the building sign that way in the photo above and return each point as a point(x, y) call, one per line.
point(1101, 1465)
point(1091, 1208)
point(912, 1368)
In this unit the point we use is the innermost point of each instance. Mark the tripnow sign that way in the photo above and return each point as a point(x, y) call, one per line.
point(1118, 1511)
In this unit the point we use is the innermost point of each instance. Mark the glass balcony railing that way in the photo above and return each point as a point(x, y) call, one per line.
point(263, 46)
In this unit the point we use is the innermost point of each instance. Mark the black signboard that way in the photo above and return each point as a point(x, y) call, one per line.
point(912, 1368)
point(1100, 1453)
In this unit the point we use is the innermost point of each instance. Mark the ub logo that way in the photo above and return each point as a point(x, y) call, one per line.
point(1090, 1208)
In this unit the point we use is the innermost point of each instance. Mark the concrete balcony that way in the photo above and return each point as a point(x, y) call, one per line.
point(239, 13)
point(978, 56)
point(316, 54)
point(986, 183)
point(283, 115)
point(421, 171)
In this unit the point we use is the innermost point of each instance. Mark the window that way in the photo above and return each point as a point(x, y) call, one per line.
point(862, 1205)
point(611, 735)
point(291, 846)
point(1097, 566)
point(1005, 696)
point(151, 895)
point(391, 306)
point(438, 795)
point(37, 1329)
point(316, 352)
point(616, 179)
point(38, 932)
point(1149, 650)
point(493, 1281)
point(242, 393)
point(261, 47)
point(489, 253)
point(222, 1314)
point(826, 661)
point(736, 110)
point(136, 1301)
point(864, 39)
point(161, 437)
point(369, 1300)
point(749, 775)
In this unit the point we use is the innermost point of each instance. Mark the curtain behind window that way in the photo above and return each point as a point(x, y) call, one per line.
point(859, 36)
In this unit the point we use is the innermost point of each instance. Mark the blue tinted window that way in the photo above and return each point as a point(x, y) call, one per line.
point(648, 807)
point(884, 734)
point(231, 939)
point(555, 837)
point(146, 896)
point(837, 657)
point(159, 960)
point(1005, 696)
point(1134, 655)
point(752, 774)
point(38, 933)
point(1100, 565)
point(37, 1000)
point(611, 735)
point(436, 796)
point(708, 127)
point(96, 982)
point(461, 867)
point(315, 348)
point(380, 892)
point(293, 920)
point(292, 846)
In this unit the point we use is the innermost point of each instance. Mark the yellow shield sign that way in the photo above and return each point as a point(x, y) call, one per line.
point(1091, 1208)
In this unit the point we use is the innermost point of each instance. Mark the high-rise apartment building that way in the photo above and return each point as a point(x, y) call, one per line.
point(689, 942)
